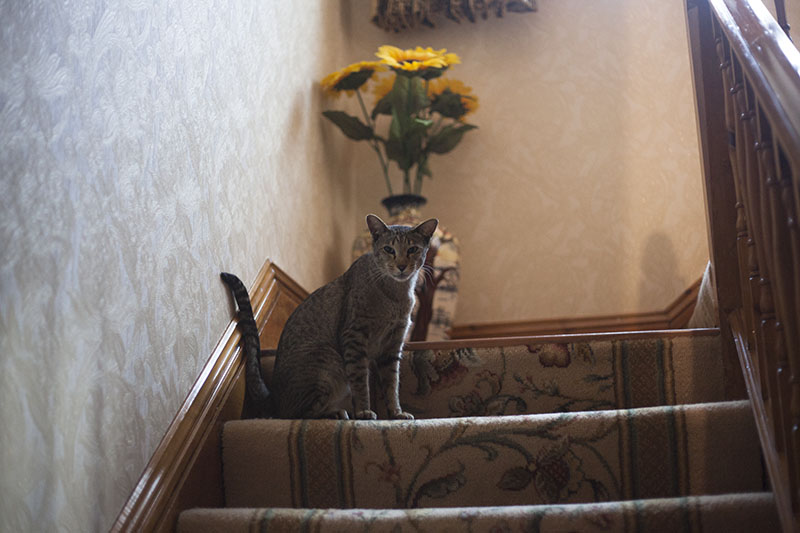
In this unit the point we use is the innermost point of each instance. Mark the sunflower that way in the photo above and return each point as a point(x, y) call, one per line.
point(425, 61)
point(351, 77)
point(451, 98)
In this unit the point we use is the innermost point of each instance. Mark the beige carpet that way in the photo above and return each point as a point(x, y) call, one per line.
point(623, 435)
point(548, 378)
point(737, 513)
point(513, 460)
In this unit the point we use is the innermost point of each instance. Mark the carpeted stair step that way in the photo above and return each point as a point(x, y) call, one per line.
point(544, 377)
point(531, 377)
point(729, 513)
point(562, 458)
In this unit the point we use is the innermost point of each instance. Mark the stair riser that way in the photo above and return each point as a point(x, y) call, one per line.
point(567, 377)
point(571, 458)
point(547, 378)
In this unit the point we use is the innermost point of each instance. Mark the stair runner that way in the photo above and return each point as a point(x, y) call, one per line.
point(597, 435)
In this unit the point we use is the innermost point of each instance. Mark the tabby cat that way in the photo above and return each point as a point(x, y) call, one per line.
point(335, 336)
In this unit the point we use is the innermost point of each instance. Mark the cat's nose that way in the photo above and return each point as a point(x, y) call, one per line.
point(401, 268)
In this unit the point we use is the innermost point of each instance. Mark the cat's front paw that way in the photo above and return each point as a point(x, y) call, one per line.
point(366, 414)
point(401, 415)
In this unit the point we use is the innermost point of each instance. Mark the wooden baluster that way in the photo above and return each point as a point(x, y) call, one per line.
point(748, 268)
point(780, 11)
point(787, 446)
point(768, 191)
point(730, 90)
point(787, 177)
point(749, 187)
point(784, 307)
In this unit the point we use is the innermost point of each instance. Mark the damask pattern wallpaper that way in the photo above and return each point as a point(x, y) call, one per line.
point(145, 147)
point(580, 194)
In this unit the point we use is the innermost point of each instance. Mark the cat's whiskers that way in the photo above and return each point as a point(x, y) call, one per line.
point(428, 272)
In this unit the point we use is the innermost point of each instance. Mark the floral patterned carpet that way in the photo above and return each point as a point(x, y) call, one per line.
point(602, 435)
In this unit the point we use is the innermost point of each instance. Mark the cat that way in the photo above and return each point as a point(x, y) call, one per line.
point(334, 337)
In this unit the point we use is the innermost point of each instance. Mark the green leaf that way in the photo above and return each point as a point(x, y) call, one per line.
point(395, 151)
point(396, 129)
point(383, 107)
point(448, 138)
point(350, 125)
point(399, 100)
point(418, 97)
point(424, 169)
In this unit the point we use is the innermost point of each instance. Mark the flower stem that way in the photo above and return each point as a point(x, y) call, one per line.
point(374, 143)
point(418, 182)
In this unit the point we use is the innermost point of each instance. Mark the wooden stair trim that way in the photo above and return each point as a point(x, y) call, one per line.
point(492, 342)
point(775, 463)
point(676, 315)
point(185, 470)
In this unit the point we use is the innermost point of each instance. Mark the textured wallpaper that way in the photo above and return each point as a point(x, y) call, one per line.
point(580, 193)
point(145, 147)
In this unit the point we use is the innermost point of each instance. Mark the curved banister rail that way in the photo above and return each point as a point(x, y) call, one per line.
point(770, 60)
point(747, 84)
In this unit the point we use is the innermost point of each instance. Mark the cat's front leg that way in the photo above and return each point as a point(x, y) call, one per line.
point(389, 373)
point(356, 366)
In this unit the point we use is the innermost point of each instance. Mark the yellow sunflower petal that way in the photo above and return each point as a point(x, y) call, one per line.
point(350, 77)
point(416, 59)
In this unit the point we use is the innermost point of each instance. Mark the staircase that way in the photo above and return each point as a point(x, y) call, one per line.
point(602, 432)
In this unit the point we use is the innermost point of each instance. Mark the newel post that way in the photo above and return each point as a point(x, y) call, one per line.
point(718, 184)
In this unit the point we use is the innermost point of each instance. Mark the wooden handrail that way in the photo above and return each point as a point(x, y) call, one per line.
point(746, 75)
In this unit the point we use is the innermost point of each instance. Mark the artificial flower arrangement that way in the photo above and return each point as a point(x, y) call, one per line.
point(427, 111)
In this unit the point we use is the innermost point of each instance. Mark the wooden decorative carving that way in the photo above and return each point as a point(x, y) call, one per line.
point(398, 15)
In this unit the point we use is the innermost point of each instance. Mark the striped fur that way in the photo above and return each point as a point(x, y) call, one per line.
point(345, 328)
point(256, 388)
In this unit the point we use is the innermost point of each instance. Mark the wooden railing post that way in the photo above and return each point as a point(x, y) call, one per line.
point(719, 188)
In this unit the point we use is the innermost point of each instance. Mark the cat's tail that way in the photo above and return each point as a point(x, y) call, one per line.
point(256, 388)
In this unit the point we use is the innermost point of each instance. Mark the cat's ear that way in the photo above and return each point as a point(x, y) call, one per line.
point(427, 228)
point(376, 226)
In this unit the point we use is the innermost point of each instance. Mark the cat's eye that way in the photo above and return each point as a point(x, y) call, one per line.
point(388, 250)
point(413, 250)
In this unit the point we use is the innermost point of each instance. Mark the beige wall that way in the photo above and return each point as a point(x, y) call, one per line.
point(792, 15)
point(143, 150)
point(580, 194)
